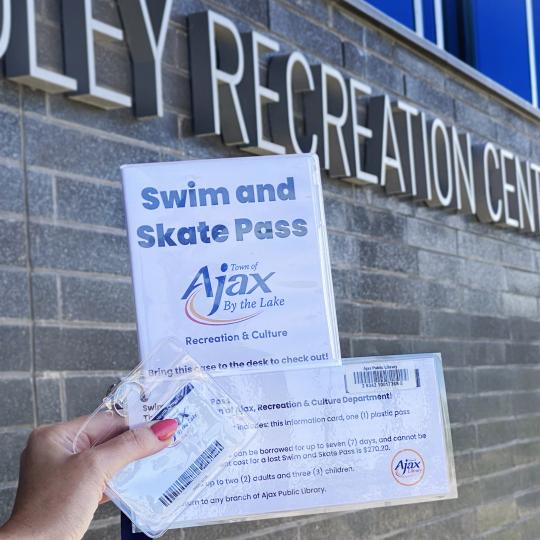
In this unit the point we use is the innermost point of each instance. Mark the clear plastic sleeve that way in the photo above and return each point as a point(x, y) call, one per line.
point(153, 492)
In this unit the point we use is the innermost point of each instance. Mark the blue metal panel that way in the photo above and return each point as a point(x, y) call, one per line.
point(500, 43)
point(401, 10)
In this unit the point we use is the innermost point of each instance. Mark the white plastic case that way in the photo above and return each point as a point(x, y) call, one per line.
point(154, 491)
point(230, 256)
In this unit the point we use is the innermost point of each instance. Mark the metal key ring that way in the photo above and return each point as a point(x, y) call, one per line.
point(117, 396)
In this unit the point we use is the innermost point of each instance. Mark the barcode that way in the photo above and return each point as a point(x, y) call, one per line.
point(382, 377)
point(191, 473)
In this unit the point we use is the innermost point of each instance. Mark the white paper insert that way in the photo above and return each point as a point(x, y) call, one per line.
point(230, 257)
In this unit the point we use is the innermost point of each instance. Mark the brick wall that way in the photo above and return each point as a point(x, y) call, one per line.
point(407, 279)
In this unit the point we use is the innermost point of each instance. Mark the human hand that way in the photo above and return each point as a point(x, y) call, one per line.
point(59, 491)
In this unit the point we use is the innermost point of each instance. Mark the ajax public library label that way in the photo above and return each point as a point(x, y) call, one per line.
point(406, 152)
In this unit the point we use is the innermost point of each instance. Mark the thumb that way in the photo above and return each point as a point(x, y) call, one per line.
point(134, 444)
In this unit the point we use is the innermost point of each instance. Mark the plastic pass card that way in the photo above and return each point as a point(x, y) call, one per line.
point(230, 256)
point(373, 432)
point(203, 436)
point(155, 491)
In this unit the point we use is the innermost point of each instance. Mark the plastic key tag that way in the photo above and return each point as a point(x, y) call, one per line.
point(154, 491)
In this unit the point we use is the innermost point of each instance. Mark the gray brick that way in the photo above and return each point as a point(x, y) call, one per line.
point(343, 249)
point(430, 236)
point(162, 131)
point(379, 42)
point(528, 427)
point(10, 136)
point(491, 327)
point(349, 317)
point(378, 347)
point(440, 266)
point(97, 300)
point(337, 213)
point(81, 153)
point(13, 243)
point(15, 349)
point(489, 406)
point(526, 403)
point(432, 295)
point(513, 140)
point(494, 433)
point(526, 283)
point(518, 256)
point(478, 247)
point(44, 296)
point(482, 302)
point(11, 187)
point(378, 224)
point(529, 502)
point(488, 353)
point(49, 407)
point(493, 379)
point(526, 377)
point(345, 347)
point(459, 381)
point(417, 66)
point(495, 514)
point(342, 282)
point(257, 10)
point(80, 349)
point(382, 73)
point(378, 320)
point(49, 46)
point(16, 402)
point(312, 37)
point(423, 93)
point(528, 530)
point(176, 52)
point(40, 194)
point(441, 324)
point(464, 438)
point(12, 444)
point(387, 256)
point(522, 353)
point(516, 305)
point(479, 275)
point(522, 329)
point(90, 203)
point(461, 90)
point(476, 121)
point(388, 289)
point(84, 394)
point(314, 9)
point(354, 59)
point(526, 452)
point(73, 249)
point(454, 353)
point(7, 497)
point(176, 92)
point(14, 294)
point(348, 25)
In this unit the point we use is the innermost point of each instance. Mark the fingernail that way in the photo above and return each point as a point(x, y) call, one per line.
point(164, 429)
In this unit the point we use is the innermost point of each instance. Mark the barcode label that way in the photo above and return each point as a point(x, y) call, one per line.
point(369, 377)
point(383, 377)
point(191, 473)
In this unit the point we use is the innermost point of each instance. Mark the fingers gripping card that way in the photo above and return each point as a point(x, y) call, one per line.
point(155, 491)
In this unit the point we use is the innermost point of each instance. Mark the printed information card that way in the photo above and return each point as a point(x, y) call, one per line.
point(230, 256)
point(372, 432)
